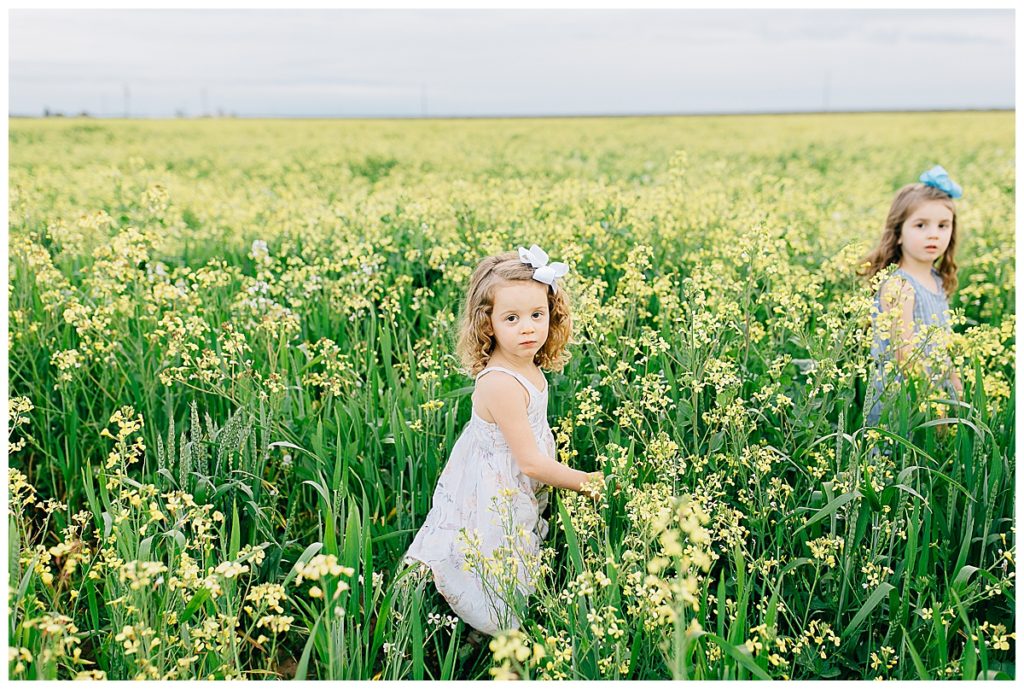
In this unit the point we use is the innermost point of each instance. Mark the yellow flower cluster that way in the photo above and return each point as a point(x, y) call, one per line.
point(322, 566)
point(139, 574)
point(994, 635)
point(874, 574)
point(515, 654)
point(826, 549)
point(61, 639)
point(268, 594)
point(817, 639)
point(124, 455)
point(20, 492)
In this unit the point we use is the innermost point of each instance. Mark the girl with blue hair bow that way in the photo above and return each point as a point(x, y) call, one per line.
point(910, 319)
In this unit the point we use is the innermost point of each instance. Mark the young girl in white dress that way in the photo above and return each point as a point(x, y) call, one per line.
point(482, 536)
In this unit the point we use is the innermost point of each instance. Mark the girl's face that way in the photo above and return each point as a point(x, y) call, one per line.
point(520, 318)
point(926, 232)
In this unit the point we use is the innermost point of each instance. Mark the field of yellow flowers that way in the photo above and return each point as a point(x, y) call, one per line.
point(233, 388)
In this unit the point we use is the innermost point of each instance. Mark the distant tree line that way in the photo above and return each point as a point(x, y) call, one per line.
point(179, 113)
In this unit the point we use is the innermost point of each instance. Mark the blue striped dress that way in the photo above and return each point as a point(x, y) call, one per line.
point(930, 308)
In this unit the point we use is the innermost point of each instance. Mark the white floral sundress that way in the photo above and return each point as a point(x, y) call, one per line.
point(480, 497)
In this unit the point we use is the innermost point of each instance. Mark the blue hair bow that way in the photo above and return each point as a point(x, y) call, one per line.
point(938, 177)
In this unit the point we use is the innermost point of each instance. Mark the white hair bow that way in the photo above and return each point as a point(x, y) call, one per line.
point(546, 273)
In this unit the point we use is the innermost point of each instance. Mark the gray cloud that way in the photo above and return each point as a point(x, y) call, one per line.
point(487, 62)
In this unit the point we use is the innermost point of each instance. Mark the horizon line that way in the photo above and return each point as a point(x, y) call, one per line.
point(725, 113)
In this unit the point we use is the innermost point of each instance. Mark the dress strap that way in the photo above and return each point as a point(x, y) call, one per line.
point(523, 380)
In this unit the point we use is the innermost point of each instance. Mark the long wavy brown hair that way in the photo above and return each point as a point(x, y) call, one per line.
point(476, 341)
point(889, 251)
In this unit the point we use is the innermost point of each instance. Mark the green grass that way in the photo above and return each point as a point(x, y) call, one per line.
point(720, 361)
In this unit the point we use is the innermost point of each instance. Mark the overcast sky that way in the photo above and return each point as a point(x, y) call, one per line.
point(344, 63)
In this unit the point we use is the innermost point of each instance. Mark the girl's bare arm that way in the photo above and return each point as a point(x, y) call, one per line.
point(897, 294)
point(505, 400)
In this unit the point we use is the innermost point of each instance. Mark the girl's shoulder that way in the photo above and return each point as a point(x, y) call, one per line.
point(507, 381)
point(500, 382)
point(897, 289)
point(517, 375)
point(499, 394)
point(936, 290)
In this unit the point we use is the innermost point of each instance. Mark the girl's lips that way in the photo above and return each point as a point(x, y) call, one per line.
point(529, 342)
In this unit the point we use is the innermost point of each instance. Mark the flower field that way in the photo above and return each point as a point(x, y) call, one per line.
point(233, 387)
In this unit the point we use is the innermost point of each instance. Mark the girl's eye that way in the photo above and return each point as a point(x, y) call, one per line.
point(537, 313)
point(510, 318)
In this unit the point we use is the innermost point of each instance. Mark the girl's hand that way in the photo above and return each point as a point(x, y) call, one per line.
point(954, 378)
point(593, 486)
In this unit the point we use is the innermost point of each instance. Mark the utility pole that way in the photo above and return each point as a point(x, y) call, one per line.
point(127, 101)
point(202, 94)
point(825, 89)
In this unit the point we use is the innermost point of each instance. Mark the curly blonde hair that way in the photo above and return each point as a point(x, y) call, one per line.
point(889, 251)
point(476, 341)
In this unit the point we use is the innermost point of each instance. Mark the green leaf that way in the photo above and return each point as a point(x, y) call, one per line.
point(947, 421)
point(829, 509)
point(29, 571)
point(320, 489)
point(459, 392)
point(90, 490)
point(145, 548)
point(870, 494)
point(303, 667)
point(743, 587)
point(236, 533)
point(908, 563)
point(570, 537)
point(202, 595)
point(449, 657)
point(285, 443)
point(993, 675)
point(970, 658)
point(965, 543)
point(738, 653)
point(417, 638)
point(873, 600)
point(94, 609)
point(773, 604)
point(353, 536)
point(178, 537)
point(385, 609)
point(963, 575)
point(922, 672)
